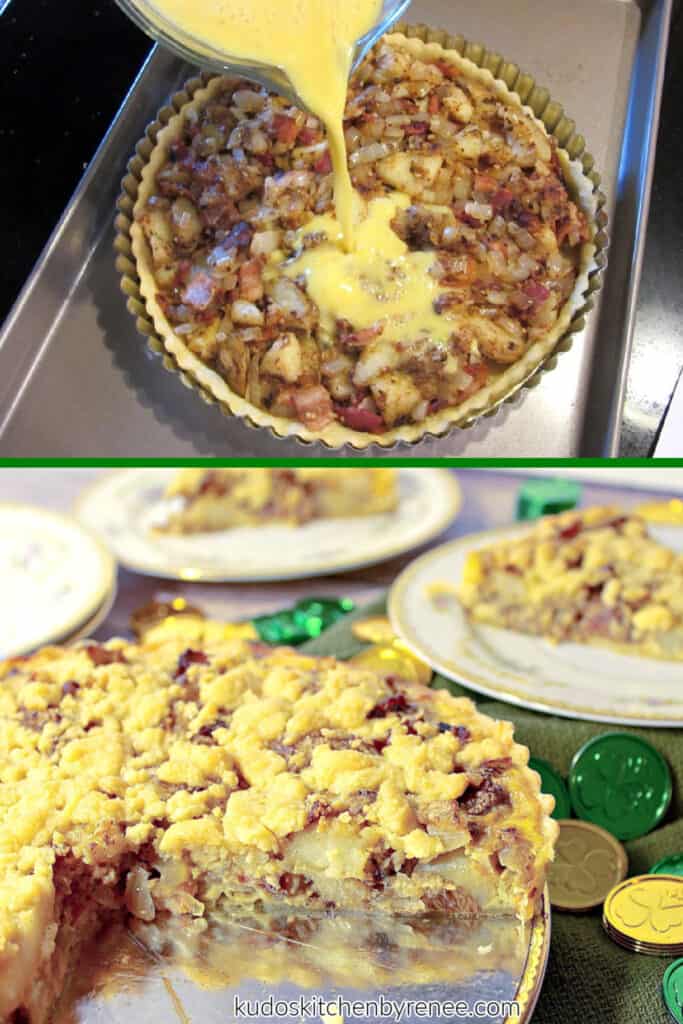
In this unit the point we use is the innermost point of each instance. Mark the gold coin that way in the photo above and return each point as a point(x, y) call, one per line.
point(149, 615)
point(646, 912)
point(588, 863)
point(393, 660)
point(376, 630)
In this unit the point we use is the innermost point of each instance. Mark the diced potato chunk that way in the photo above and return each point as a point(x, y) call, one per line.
point(458, 106)
point(502, 341)
point(396, 396)
point(246, 313)
point(469, 144)
point(187, 226)
point(157, 227)
point(409, 172)
point(283, 359)
point(233, 361)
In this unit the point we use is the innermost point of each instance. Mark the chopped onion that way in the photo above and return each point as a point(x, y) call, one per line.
point(420, 411)
point(556, 264)
point(521, 236)
point(524, 269)
point(366, 154)
point(335, 365)
point(480, 211)
point(265, 242)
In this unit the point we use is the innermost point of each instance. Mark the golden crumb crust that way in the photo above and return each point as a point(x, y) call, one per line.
point(203, 766)
point(593, 576)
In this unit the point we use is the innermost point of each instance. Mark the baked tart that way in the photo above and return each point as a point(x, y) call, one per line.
point(164, 778)
point(218, 499)
point(474, 243)
point(593, 576)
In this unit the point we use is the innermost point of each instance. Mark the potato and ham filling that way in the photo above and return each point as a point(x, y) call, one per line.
point(482, 193)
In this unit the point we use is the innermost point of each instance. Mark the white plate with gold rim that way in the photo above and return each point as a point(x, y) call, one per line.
point(568, 679)
point(122, 508)
point(92, 624)
point(55, 577)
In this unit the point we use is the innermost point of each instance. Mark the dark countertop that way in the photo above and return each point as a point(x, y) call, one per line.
point(66, 69)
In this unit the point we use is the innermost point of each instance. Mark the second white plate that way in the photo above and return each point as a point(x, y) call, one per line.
point(55, 577)
point(121, 508)
point(572, 680)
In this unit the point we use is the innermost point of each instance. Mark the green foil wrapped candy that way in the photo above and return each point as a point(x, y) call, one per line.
point(307, 619)
point(546, 497)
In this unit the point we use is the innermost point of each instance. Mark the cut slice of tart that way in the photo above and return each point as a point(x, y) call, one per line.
point(218, 499)
point(164, 777)
point(592, 576)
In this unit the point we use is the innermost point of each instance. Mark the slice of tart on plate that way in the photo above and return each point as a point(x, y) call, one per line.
point(593, 576)
point(179, 777)
point(219, 499)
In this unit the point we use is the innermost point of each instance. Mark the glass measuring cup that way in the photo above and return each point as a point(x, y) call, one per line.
point(199, 51)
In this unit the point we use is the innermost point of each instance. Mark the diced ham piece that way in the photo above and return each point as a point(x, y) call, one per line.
point(365, 420)
point(187, 658)
point(537, 292)
point(479, 374)
point(486, 183)
point(359, 338)
point(501, 199)
point(323, 164)
point(314, 406)
point(308, 136)
point(285, 128)
point(251, 281)
point(446, 69)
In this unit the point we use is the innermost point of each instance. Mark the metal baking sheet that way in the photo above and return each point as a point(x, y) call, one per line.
point(77, 380)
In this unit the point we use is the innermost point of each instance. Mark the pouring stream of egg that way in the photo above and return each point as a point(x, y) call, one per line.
point(312, 41)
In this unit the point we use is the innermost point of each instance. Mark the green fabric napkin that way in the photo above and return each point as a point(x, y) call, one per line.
point(590, 979)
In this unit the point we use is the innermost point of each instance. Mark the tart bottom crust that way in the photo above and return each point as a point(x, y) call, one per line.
point(335, 434)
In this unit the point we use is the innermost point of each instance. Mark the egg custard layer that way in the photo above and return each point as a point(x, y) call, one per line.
point(593, 576)
point(200, 769)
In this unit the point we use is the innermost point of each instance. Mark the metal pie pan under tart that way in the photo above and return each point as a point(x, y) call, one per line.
point(515, 87)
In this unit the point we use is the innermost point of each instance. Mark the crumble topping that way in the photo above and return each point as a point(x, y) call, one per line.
point(201, 766)
point(593, 575)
